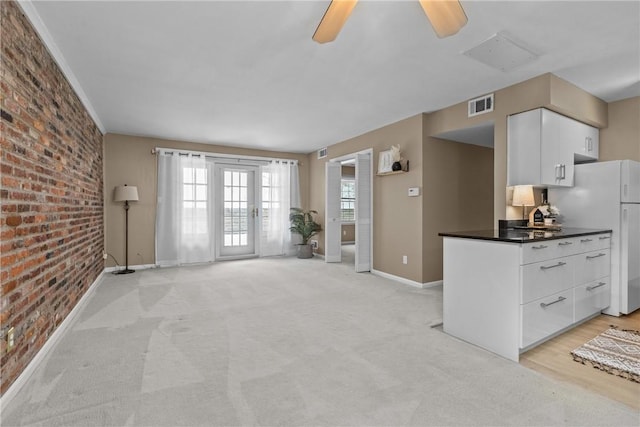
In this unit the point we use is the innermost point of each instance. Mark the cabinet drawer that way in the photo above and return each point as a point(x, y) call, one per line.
point(546, 316)
point(591, 298)
point(546, 278)
point(549, 249)
point(592, 265)
point(592, 243)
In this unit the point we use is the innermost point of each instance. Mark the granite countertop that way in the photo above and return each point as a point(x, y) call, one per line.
point(513, 235)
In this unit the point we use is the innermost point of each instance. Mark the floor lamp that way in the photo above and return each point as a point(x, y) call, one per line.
point(126, 193)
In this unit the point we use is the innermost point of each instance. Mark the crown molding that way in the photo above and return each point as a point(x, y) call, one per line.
point(32, 14)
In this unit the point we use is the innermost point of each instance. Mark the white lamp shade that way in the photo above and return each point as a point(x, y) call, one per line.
point(523, 196)
point(124, 193)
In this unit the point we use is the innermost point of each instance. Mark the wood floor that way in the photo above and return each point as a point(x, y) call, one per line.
point(552, 358)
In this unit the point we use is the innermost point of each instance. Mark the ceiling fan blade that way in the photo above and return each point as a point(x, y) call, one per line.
point(334, 18)
point(446, 16)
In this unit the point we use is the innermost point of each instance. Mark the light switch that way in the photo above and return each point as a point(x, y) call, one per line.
point(414, 191)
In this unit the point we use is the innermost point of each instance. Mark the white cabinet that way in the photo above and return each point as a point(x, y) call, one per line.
point(542, 146)
point(585, 141)
point(510, 297)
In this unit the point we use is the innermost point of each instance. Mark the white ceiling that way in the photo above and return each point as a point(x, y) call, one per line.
point(248, 74)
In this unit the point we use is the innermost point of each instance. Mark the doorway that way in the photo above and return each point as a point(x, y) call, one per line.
point(237, 211)
point(362, 206)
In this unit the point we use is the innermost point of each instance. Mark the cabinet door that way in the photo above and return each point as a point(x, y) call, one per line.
point(523, 148)
point(591, 298)
point(546, 316)
point(585, 141)
point(556, 150)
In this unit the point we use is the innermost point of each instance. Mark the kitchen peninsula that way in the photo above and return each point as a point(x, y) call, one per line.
point(508, 290)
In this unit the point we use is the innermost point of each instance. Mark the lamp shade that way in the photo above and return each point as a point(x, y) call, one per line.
point(125, 192)
point(523, 196)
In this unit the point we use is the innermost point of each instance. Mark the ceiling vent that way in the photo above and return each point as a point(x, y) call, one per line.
point(502, 52)
point(481, 105)
point(322, 153)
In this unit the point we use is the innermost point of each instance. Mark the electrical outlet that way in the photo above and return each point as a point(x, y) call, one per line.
point(314, 244)
point(104, 255)
point(404, 259)
point(10, 338)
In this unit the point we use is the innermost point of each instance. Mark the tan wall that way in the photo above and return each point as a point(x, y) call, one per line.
point(348, 233)
point(453, 179)
point(546, 91)
point(397, 219)
point(621, 139)
point(128, 160)
point(458, 195)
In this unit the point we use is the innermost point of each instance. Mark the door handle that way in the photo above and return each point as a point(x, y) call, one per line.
point(595, 256)
point(547, 304)
point(590, 288)
point(539, 247)
point(565, 243)
point(547, 267)
point(586, 240)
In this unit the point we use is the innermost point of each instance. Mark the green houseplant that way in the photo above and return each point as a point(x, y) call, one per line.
point(302, 223)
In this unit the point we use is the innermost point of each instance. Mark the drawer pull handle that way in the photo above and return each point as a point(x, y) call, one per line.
point(546, 267)
point(595, 256)
point(539, 247)
point(565, 243)
point(604, 237)
point(586, 240)
point(547, 304)
point(590, 288)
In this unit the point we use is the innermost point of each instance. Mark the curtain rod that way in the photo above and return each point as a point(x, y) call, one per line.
point(221, 156)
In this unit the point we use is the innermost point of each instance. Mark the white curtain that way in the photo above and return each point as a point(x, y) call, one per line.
point(280, 192)
point(184, 216)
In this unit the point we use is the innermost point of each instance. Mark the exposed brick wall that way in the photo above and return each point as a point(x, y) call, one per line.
point(51, 221)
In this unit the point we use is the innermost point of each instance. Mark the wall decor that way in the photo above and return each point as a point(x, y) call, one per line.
point(385, 161)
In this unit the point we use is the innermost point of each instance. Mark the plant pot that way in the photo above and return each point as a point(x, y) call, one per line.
point(305, 251)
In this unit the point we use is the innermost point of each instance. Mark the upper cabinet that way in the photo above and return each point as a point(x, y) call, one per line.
point(543, 145)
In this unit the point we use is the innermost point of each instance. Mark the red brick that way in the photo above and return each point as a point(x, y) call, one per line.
point(51, 168)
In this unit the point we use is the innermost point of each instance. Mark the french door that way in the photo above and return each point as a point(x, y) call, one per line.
point(237, 218)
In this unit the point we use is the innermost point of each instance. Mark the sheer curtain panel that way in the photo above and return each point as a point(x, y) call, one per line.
point(184, 215)
point(280, 192)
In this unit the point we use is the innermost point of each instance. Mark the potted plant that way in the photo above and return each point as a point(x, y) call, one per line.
point(302, 223)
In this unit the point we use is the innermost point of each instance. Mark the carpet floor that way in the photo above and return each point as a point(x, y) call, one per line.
point(282, 341)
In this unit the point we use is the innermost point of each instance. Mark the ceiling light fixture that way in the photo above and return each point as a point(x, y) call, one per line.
point(446, 16)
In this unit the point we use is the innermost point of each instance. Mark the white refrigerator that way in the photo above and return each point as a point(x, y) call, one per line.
point(607, 195)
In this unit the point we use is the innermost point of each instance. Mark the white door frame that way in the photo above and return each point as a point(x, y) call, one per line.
point(219, 208)
point(340, 159)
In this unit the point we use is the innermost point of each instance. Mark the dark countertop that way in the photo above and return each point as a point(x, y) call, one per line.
point(522, 235)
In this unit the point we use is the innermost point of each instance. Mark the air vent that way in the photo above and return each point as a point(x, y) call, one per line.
point(481, 105)
point(322, 153)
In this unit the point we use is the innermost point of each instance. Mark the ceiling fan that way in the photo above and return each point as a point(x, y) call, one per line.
point(446, 16)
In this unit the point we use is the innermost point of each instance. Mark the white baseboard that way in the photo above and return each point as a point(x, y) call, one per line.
point(406, 281)
point(48, 345)
point(132, 267)
point(316, 255)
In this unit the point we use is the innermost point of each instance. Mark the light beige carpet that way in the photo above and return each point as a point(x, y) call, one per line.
point(283, 342)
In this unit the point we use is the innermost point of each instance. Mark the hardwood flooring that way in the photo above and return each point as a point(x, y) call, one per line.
point(552, 358)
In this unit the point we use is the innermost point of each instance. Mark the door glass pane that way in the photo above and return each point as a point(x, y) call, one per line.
point(236, 208)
